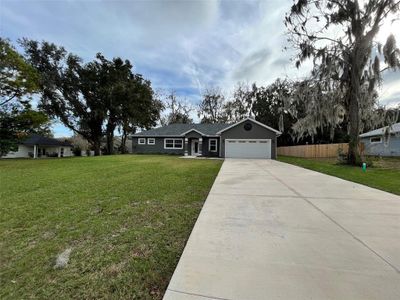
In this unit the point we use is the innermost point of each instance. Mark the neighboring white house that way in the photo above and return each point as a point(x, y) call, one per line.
point(40, 146)
point(384, 141)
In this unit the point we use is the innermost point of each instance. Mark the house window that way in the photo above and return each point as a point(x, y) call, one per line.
point(151, 141)
point(173, 144)
point(212, 145)
point(376, 140)
point(141, 141)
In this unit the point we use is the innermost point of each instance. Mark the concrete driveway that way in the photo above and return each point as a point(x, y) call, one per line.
point(270, 230)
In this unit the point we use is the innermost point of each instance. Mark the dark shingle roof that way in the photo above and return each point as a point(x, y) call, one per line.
point(44, 141)
point(179, 129)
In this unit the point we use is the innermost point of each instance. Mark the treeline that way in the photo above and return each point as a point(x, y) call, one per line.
point(92, 99)
point(299, 109)
point(98, 98)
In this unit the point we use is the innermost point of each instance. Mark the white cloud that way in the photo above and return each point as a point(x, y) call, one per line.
point(182, 45)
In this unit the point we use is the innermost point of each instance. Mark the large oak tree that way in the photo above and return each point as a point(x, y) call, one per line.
point(18, 81)
point(92, 99)
point(340, 38)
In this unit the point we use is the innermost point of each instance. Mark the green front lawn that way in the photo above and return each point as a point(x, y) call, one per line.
point(384, 175)
point(126, 219)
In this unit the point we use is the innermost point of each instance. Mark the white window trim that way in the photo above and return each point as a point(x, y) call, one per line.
point(374, 137)
point(151, 139)
point(216, 145)
point(174, 147)
point(141, 141)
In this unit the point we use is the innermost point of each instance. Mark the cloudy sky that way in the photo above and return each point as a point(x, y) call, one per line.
point(180, 45)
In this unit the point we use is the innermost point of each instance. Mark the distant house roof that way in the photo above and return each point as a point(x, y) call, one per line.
point(44, 141)
point(181, 129)
point(395, 128)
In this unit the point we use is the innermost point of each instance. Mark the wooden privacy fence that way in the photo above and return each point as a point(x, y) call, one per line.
point(314, 151)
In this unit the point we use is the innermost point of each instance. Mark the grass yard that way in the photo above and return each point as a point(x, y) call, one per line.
point(126, 219)
point(384, 175)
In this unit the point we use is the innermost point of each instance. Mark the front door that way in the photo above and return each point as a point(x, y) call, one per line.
point(195, 147)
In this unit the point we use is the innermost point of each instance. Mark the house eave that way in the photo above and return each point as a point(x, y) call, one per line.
point(166, 136)
point(193, 129)
point(278, 133)
point(45, 145)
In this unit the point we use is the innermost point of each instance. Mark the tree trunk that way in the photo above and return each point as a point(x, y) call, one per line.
point(96, 148)
point(353, 102)
point(110, 143)
point(354, 130)
point(110, 137)
point(123, 141)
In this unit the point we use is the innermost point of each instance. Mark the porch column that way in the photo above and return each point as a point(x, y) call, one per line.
point(200, 146)
point(59, 152)
point(186, 146)
point(34, 151)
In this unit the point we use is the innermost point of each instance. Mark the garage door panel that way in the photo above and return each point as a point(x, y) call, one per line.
point(248, 148)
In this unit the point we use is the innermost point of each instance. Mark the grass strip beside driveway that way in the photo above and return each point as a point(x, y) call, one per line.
point(384, 175)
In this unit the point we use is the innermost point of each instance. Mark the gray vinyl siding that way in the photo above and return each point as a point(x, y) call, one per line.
point(380, 149)
point(157, 148)
point(236, 132)
point(257, 132)
point(205, 147)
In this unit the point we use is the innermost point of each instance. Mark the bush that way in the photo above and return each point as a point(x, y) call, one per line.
point(364, 159)
point(342, 157)
point(88, 152)
point(77, 151)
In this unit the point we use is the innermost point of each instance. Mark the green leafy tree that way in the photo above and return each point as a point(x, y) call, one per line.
point(128, 98)
point(140, 108)
point(18, 80)
point(274, 106)
point(116, 76)
point(347, 64)
point(18, 122)
point(92, 99)
point(69, 90)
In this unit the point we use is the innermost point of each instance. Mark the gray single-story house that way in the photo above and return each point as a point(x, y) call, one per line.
point(245, 139)
point(36, 146)
point(383, 141)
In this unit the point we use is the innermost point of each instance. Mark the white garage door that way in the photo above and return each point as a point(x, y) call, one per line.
point(241, 148)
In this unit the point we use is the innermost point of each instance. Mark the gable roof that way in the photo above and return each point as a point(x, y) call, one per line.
point(193, 130)
point(395, 128)
point(252, 120)
point(36, 139)
point(182, 129)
